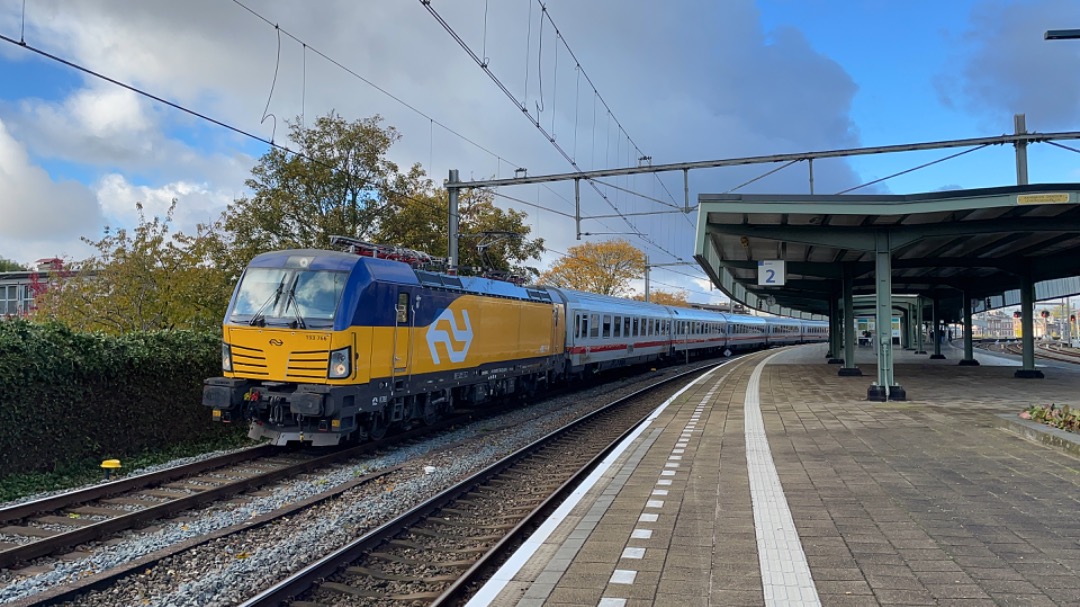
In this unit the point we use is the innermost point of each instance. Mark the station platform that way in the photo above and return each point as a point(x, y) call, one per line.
point(772, 481)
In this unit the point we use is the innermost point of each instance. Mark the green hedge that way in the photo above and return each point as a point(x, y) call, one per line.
point(68, 397)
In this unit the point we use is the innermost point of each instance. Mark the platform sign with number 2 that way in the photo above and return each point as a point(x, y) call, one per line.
point(770, 272)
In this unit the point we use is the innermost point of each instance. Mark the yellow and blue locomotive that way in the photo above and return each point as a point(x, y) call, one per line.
point(321, 346)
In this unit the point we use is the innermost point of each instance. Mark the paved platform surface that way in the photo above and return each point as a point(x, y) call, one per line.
point(779, 484)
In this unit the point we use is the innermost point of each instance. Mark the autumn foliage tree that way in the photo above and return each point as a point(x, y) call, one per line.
point(666, 298)
point(337, 184)
point(7, 265)
point(603, 267)
point(140, 280)
point(418, 219)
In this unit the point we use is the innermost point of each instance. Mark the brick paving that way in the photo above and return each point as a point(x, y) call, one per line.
point(924, 502)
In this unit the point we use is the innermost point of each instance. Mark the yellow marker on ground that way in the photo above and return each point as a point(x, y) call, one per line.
point(109, 465)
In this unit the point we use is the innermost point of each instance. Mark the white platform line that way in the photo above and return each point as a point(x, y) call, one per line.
point(489, 591)
point(779, 549)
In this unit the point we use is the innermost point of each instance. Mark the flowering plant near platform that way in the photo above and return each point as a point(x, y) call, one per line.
point(1064, 417)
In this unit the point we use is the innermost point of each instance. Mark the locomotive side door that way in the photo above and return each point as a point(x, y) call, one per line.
point(402, 333)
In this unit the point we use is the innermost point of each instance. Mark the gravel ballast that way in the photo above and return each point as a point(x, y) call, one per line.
point(228, 570)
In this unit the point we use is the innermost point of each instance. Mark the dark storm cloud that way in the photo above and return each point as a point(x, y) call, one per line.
point(1006, 67)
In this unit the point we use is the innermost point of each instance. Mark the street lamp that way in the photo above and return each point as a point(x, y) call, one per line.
point(1061, 34)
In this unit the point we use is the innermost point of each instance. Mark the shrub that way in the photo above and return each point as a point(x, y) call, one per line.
point(1064, 417)
point(67, 397)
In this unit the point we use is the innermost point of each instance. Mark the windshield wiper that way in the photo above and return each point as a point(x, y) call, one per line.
point(274, 297)
point(291, 301)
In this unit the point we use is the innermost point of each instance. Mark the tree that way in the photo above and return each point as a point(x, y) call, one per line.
point(604, 267)
point(666, 298)
point(336, 185)
point(7, 265)
point(141, 280)
point(418, 220)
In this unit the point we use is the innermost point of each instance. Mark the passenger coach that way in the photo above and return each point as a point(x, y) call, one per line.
point(323, 346)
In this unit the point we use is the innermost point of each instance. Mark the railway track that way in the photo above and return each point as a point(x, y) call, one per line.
point(107, 575)
point(52, 525)
point(437, 551)
point(49, 526)
point(1050, 351)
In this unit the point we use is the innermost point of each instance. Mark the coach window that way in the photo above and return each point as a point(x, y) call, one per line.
point(626, 327)
point(594, 326)
point(607, 326)
point(635, 333)
point(580, 326)
point(618, 326)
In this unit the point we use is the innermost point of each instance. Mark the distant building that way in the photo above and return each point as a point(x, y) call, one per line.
point(996, 325)
point(18, 289)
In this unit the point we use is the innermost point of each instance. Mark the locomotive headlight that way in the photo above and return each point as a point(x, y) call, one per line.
point(340, 364)
point(226, 357)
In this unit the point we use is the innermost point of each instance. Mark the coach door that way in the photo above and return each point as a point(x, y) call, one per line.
point(402, 333)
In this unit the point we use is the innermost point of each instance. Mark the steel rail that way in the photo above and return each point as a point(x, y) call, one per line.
point(122, 485)
point(304, 579)
point(99, 581)
point(49, 545)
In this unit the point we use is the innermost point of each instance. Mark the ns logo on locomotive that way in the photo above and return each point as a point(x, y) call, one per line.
point(327, 346)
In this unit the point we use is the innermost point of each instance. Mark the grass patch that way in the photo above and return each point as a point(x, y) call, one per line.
point(19, 485)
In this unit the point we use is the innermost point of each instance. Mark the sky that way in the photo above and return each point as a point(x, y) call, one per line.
point(612, 81)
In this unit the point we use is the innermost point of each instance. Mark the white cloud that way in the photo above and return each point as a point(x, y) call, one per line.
point(694, 81)
point(196, 202)
point(101, 124)
point(40, 217)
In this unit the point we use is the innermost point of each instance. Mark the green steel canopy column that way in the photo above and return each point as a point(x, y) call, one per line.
point(835, 334)
point(1027, 327)
point(884, 389)
point(849, 369)
point(900, 311)
point(969, 353)
point(920, 303)
point(937, 355)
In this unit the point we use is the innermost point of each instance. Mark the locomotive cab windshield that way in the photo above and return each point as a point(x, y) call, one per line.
point(293, 297)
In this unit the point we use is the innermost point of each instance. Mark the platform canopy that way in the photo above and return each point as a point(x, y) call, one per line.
point(943, 244)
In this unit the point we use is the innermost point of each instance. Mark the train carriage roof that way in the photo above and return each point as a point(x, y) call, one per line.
point(747, 319)
point(680, 313)
point(608, 304)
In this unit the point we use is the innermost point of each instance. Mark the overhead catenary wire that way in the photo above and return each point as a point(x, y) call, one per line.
point(202, 116)
point(912, 169)
point(547, 14)
point(283, 148)
point(589, 261)
point(535, 121)
point(431, 120)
